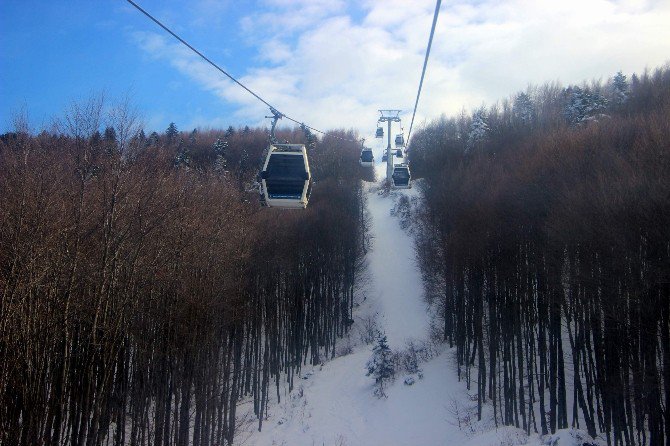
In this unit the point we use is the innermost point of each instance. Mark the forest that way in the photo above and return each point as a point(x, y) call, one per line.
point(544, 240)
point(144, 292)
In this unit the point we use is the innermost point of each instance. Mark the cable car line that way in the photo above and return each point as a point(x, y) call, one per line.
point(205, 58)
point(425, 63)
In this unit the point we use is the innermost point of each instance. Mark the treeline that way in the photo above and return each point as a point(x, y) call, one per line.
point(143, 292)
point(545, 240)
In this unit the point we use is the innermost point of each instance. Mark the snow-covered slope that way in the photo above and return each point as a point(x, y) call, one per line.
point(395, 283)
point(334, 403)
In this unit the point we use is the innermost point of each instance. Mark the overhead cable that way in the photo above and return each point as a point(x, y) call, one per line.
point(425, 63)
point(158, 22)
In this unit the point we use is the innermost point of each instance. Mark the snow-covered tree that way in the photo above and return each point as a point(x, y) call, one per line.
point(478, 130)
point(582, 105)
point(523, 108)
point(183, 157)
point(619, 88)
point(220, 148)
point(154, 139)
point(380, 365)
point(309, 136)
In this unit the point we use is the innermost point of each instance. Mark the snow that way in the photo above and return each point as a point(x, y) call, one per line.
point(334, 403)
point(397, 288)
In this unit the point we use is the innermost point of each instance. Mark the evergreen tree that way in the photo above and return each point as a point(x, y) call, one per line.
point(246, 130)
point(171, 132)
point(96, 138)
point(229, 132)
point(478, 130)
point(220, 149)
point(192, 137)
point(154, 139)
point(582, 105)
point(523, 108)
point(309, 137)
point(619, 88)
point(183, 157)
point(244, 162)
point(139, 140)
point(380, 365)
point(109, 139)
point(110, 134)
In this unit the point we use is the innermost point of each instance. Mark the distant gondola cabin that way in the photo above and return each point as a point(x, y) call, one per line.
point(367, 158)
point(401, 177)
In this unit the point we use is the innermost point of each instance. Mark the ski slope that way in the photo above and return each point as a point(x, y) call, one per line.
point(334, 404)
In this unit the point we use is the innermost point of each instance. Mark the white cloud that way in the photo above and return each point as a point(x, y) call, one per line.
point(334, 71)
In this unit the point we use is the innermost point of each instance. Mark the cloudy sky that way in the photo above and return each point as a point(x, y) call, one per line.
point(329, 63)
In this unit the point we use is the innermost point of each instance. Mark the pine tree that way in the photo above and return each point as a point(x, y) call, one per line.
point(478, 130)
point(139, 140)
point(380, 365)
point(171, 132)
point(96, 138)
point(183, 157)
point(523, 108)
point(109, 139)
point(220, 148)
point(110, 135)
point(244, 162)
point(619, 88)
point(309, 136)
point(229, 132)
point(246, 130)
point(154, 139)
point(192, 137)
point(582, 105)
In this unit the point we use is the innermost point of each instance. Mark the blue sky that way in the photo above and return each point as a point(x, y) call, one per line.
point(56, 52)
point(330, 63)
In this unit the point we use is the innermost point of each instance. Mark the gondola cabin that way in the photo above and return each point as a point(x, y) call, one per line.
point(398, 153)
point(380, 133)
point(401, 177)
point(367, 158)
point(399, 140)
point(384, 157)
point(285, 178)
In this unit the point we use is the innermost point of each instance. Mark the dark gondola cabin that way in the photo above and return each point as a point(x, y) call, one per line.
point(367, 158)
point(399, 140)
point(384, 157)
point(401, 177)
point(380, 133)
point(285, 178)
point(398, 153)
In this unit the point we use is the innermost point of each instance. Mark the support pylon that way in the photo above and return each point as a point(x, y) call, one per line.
point(389, 116)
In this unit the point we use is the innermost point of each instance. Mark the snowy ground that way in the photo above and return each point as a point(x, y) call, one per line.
point(334, 402)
